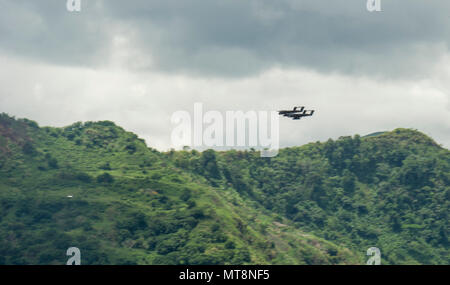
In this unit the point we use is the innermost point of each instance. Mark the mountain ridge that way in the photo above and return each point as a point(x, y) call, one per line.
point(136, 205)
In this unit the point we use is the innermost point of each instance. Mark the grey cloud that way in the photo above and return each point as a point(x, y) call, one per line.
point(46, 31)
point(235, 38)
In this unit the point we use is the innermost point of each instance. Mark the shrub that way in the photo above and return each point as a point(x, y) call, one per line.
point(105, 166)
point(230, 245)
point(29, 149)
point(105, 178)
point(131, 148)
point(84, 177)
point(53, 162)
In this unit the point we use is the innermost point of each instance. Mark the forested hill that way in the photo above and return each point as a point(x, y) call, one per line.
point(99, 188)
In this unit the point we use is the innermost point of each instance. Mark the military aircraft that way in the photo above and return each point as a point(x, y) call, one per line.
point(297, 113)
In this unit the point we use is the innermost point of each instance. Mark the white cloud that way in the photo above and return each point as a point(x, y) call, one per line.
point(144, 102)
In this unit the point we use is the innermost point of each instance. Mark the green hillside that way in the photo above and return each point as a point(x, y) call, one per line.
point(99, 188)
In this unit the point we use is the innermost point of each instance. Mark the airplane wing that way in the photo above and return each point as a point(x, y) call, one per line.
point(292, 114)
point(296, 109)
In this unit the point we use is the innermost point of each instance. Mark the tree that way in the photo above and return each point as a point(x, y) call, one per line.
point(105, 178)
point(29, 149)
point(208, 162)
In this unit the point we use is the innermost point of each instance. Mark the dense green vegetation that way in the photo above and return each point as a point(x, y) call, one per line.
point(390, 191)
point(97, 187)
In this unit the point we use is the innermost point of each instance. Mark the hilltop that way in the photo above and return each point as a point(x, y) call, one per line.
point(321, 203)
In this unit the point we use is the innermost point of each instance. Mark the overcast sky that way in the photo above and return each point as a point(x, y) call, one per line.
point(137, 62)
